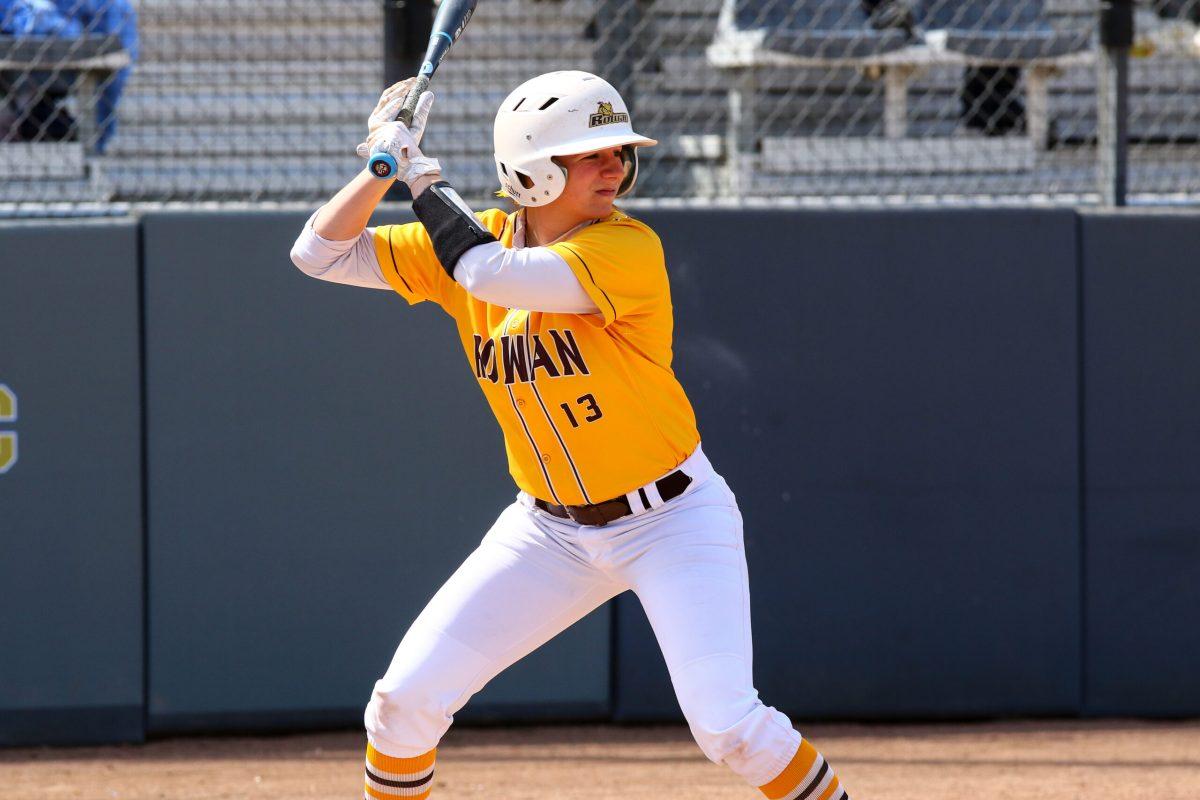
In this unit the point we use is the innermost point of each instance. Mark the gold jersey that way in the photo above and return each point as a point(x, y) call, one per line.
point(588, 403)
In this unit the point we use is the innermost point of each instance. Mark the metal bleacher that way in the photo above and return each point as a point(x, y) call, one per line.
point(253, 100)
point(228, 101)
point(815, 117)
point(817, 29)
point(1018, 30)
point(76, 68)
point(264, 100)
point(935, 35)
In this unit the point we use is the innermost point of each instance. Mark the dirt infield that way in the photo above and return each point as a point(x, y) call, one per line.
point(1045, 760)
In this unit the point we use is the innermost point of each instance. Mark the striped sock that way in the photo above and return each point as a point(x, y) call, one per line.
point(807, 777)
point(389, 778)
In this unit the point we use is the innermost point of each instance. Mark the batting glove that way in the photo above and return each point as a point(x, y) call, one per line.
point(397, 141)
point(384, 119)
point(388, 106)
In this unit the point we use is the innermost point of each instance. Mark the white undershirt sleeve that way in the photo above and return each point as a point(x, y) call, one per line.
point(529, 278)
point(350, 261)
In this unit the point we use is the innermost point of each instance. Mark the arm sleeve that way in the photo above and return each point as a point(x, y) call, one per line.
point(533, 279)
point(620, 265)
point(351, 261)
point(411, 267)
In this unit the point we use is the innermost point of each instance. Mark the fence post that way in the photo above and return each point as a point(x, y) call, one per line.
point(1112, 112)
point(406, 25)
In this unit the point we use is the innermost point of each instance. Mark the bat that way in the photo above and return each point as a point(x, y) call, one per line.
point(452, 16)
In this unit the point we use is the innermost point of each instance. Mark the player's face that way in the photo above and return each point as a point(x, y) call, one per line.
point(592, 182)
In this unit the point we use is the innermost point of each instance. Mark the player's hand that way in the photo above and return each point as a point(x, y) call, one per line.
point(397, 141)
point(389, 105)
point(402, 142)
point(385, 115)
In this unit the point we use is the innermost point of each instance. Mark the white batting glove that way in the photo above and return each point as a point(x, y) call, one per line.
point(397, 140)
point(385, 115)
point(388, 106)
point(403, 143)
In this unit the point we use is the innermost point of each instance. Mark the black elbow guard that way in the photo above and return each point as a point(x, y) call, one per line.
point(451, 225)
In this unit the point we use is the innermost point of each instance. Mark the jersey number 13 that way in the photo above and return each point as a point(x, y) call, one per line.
point(588, 401)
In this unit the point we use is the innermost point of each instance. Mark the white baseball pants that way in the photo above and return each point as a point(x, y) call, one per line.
point(534, 574)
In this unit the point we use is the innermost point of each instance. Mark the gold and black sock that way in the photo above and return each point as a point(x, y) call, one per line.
point(807, 777)
point(389, 777)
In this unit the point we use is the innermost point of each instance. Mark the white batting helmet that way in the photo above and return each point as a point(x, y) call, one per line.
point(560, 114)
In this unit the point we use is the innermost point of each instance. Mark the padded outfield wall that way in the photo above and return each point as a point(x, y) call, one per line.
point(964, 444)
point(71, 534)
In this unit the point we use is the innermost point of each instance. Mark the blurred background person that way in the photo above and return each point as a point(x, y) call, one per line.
point(36, 107)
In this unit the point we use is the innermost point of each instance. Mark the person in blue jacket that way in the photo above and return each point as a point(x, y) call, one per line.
point(38, 109)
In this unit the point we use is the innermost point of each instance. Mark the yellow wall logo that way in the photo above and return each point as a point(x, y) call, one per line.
point(8, 439)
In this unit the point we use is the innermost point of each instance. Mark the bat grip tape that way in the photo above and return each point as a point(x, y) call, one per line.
point(450, 223)
point(409, 108)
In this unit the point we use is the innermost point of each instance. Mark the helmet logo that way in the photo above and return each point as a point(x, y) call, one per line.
point(606, 116)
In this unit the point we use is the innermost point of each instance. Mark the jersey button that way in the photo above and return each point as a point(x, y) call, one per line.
point(520, 404)
point(545, 458)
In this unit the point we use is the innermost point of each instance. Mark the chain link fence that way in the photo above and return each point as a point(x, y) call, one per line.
point(114, 102)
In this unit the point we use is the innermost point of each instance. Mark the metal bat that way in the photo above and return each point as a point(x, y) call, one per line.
point(452, 16)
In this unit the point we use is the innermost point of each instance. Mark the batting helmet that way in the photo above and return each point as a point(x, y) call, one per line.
point(560, 114)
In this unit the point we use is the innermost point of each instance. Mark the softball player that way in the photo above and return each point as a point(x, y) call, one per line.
point(564, 313)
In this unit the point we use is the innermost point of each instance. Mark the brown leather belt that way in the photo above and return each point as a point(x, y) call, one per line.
point(608, 511)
